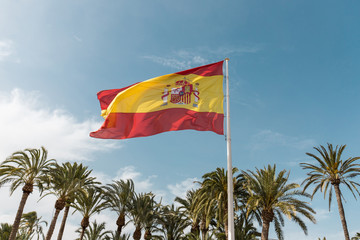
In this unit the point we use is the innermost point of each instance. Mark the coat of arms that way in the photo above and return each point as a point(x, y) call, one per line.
point(181, 93)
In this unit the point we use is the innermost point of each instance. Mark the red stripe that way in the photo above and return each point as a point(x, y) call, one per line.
point(131, 125)
point(207, 70)
point(106, 96)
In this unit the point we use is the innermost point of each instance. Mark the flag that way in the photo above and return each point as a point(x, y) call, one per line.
point(190, 99)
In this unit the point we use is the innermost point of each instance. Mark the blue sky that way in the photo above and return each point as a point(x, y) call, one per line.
point(294, 70)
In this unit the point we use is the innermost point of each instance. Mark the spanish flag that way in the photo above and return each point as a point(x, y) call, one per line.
point(190, 99)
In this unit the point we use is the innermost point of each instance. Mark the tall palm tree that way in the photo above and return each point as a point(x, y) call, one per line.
point(173, 222)
point(188, 205)
point(139, 208)
point(273, 196)
point(331, 169)
point(205, 210)
point(89, 203)
point(80, 175)
point(24, 168)
point(118, 195)
point(244, 228)
point(64, 181)
point(215, 184)
point(95, 232)
point(31, 224)
point(150, 220)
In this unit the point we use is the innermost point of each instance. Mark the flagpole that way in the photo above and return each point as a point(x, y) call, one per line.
point(231, 232)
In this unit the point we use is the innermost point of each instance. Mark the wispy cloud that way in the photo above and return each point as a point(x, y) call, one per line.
point(142, 184)
point(26, 123)
point(182, 59)
point(233, 50)
point(77, 38)
point(180, 189)
point(267, 138)
point(6, 49)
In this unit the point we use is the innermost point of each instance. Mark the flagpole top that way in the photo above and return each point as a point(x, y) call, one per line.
point(227, 59)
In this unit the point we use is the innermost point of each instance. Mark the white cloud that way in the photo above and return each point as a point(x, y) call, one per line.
point(77, 38)
point(183, 59)
point(234, 50)
point(267, 138)
point(27, 123)
point(176, 63)
point(6, 49)
point(141, 184)
point(180, 189)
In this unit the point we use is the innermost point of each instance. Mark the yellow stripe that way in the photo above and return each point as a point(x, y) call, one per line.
point(147, 96)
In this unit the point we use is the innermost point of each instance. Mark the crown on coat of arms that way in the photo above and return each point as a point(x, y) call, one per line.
point(181, 83)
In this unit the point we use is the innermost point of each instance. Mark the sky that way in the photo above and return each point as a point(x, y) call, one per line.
point(294, 82)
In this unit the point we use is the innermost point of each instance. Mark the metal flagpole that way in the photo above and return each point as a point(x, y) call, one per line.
point(231, 232)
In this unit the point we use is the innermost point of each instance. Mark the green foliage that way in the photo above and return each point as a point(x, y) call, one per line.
point(31, 226)
point(117, 196)
point(188, 207)
point(95, 232)
point(5, 230)
point(271, 194)
point(25, 167)
point(66, 180)
point(356, 237)
point(331, 170)
point(244, 228)
point(173, 222)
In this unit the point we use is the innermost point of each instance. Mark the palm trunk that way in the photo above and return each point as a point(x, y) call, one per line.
point(27, 189)
point(63, 222)
point(59, 205)
point(341, 211)
point(52, 225)
point(226, 225)
point(147, 234)
point(82, 233)
point(265, 230)
point(137, 233)
point(84, 224)
point(120, 222)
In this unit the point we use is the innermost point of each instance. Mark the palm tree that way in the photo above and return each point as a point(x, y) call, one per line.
point(331, 169)
point(95, 232)
point(150, 220)
point(173, 222)
point(80, 175)
point(118, 195)
point(88, 203)
point(188, 205)
point(24, 168)
point(30, 225)
point(140, 207)
point(112, 236)
point(64, 181)
point(273, 196)
point(205, 209)
point(215, 184)
point(5, 230)
point(244, 228)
